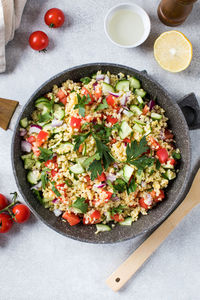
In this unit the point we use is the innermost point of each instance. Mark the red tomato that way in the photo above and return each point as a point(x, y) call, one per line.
point(172, 161)
point(158, 198)
point(3, 201)
point(54, 18)
point(53, 173)
point(111, 101)
point(143, 204)
point(50, 161)
point(75, 123)
point(71, 218)
point(102, 177)
point(31, 139)
point(97, 92)
point(168, 135)
point(117, 218)
point(60, 94)
point(145, 110)
point(109, 195)
point(41, 138)
point(113, 141)
point(96, 215)
point(154, 143)
point(21, 212)
point(80, 149)
point(126, 140)
point(87, 177)
point(38, 40)
point(162, 155)
point(36, 151)
point(85, 92)
point(5, 222)
point(112, 120)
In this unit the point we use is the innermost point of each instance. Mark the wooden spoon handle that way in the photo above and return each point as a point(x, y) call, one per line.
point(7, 109)
point(127, 269)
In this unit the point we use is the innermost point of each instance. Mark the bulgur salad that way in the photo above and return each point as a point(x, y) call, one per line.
point(99, 150)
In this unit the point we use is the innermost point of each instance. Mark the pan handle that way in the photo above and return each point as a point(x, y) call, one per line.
point(191, 110)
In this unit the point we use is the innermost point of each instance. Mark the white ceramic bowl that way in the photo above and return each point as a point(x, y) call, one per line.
point(138, 10)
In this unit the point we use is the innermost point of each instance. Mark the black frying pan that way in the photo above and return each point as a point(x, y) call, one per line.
point(176, 190)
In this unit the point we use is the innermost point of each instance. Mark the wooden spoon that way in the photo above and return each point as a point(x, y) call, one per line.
point(7, 108)
point(128, 268)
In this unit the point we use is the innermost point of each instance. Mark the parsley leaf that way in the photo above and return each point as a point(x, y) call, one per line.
point(81, 104)
point(38, 196)
point(117, 210)
point(104, 153)
point(119, 185)
point(45, 154)
point(102, 105)
point(69, 182)
point(79, 139)
point(95, 168)
point(54, 189)
point(136, 149)
point(176, 155)
point(132, 186)
point(44, 179)
point(85, 80)
point(90, 159)
point(44, 118)
point(158, 164)
point(81, 205)
point(142, 162)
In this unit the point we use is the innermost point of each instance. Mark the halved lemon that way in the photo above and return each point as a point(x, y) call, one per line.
point(173, 51)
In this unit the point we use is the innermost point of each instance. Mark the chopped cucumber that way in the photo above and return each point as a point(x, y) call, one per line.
point(127, 172)
point(125, 130)
point(38, 164)
point(33, 176)
point(106, 88)
point(156, 116)
point(167, 165)
point(139, 122)
point(134, 83)
point(47, 127)
point(122, 85)
point(59, 111)
point(102, 228)
point(120, 173)
point(139, 176)
point(139, 99)
point(170, 174)
point(80, 160)
point(128, 113)
point(77, 169)
point(28, 163)
point(44, 106)
point(41, 99)
point(24, 122)
point(140, 92)
point(127, 222)
point(136, 110)
point(138, 128)
point(64, 148)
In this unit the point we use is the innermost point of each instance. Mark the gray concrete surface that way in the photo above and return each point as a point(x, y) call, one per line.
point(38, 263)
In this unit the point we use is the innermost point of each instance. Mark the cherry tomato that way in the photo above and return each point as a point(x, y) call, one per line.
point(162, 155)
point(3, 201)
point(71, 218)
point(21, 212)
point(112, 120)
point(5, 222)
point(41, 138)
point(126, 140)
point(54, 18)
point(75, 123)
point(102, 177)
point(38, 40)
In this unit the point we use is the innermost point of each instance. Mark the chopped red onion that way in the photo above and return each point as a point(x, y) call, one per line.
point(111, 177)
point(100, 77)
point(22, 132)
point(107, 79)
point(56, 123)
point(100, 185)
point(162, 134)
point(115, 94)
point(125, 144)
point(55, 200)
point(115, 165)
point(26, 146)
point(123, 100)
point(94, 85)
point(148, 200)
point(37, 186)
point(151, 104)
point(57, 212)
point(115, 198)
point(35, 128)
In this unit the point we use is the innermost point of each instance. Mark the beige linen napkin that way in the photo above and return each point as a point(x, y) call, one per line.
point(10, 17)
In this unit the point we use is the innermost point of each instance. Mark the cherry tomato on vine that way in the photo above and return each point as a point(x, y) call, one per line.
point(5, 222)
point(54, 18)
point(3, 201)
point(21, 212)
point(38, 40)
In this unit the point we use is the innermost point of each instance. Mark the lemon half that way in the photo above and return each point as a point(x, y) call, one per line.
point(173, 51)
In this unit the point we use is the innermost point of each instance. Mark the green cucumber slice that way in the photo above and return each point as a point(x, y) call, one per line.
point(47, 127)
point(102, 228)
point(140, 92)
point(139, 122)
point(127, 222)
point(138, 128)
point(77, 169)
point(106, 88)
point(125, 130)
point(41, 99)
point(170, 174)
point(122, 85)
point(24, 122)
point(134, 83)
point(127, 172)
point(59, 111)
point(136, 110)
point(44, 106)
point(80, 160)
point(156, 116)
point(128, 113)
point(33, 176)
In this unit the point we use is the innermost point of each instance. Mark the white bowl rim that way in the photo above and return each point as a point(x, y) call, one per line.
point(143, 14)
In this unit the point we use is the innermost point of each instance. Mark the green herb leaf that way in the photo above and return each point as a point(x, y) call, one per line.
point(158, 164)
point(142, 162)
point(69, 182)
point(85, 80)
point(117, 210)
point(102, 105)
point(45, 154)
point(44, 118)
point(81, 204)
point(90, 159)
point(54, 189)
point(44, 179)
point(119, 185)
point(95, 168)
point(79, 139)
point(176, 155)
point(81, 104)
point(104, 153)
point(135, 150)
point(38, 196)
point(132, 186)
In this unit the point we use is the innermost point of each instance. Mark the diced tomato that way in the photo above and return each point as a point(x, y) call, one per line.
point(143, 204)
point(75, 123)
point(111, 101)
point(31, 139)
point(85, 92)
point(159, 197)
point(102, 177)
point(112, 120)
point(60, 94)
point(41, 138)
point(172, 161)
point(155, 145)
point(88, 119)
point(53, 173)
point(94, 218)
point(97, 92)
point(117, 108)
point(36, 151)
point(109, 195)
point(168, 135)
point(145, 110)
point(162, 155)
point(113, 141)
point(64, 100)
point(96, 215)
point(51, 161)
point(117, 218)
point(87, 177)
point(126, 140)
point(80, 149)
point(71, 218)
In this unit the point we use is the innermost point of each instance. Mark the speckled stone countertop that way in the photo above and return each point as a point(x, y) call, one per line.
point(38, 263)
